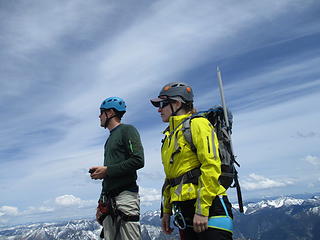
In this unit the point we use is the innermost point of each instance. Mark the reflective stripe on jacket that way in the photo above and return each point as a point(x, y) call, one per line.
point(178, 158)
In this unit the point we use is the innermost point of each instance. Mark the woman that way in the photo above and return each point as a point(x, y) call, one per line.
point(192, 192)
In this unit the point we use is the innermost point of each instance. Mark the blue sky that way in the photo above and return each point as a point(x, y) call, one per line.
point(60, 59)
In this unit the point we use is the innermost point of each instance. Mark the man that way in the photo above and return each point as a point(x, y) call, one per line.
point(123, 155)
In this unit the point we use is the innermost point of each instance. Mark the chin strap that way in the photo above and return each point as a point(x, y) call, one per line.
point(108, 120)
point(174, 113)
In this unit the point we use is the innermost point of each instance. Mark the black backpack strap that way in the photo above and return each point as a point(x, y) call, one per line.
point(188, 177)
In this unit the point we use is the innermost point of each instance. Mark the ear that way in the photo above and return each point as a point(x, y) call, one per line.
point(109, 112)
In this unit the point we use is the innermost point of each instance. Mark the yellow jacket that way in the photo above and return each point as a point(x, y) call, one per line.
point(178, 158)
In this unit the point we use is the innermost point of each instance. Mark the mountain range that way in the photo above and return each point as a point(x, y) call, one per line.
point(285, 218)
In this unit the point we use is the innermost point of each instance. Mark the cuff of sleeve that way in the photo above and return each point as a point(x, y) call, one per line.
point(111, 171)
point(203, 212)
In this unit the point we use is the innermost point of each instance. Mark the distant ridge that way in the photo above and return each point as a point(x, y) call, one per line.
point(285, 218)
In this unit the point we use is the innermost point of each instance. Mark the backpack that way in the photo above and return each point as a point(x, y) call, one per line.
point(229, 173)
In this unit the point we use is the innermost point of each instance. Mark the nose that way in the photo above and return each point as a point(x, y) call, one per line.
point(159, 109)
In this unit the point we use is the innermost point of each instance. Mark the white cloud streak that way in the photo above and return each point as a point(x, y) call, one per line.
point(313, 160)
point(149, 195)
point(9, 211)
point(257, 182)
point(68, 200)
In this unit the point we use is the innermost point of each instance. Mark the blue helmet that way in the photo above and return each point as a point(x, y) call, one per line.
point(114, 102)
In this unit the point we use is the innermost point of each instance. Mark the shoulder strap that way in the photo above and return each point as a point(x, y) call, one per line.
point(186, 129)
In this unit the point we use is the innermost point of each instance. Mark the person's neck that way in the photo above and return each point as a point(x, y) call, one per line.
point(181, 112)
point(113, 124)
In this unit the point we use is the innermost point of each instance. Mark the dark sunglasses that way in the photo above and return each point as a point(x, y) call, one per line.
point(164, 103)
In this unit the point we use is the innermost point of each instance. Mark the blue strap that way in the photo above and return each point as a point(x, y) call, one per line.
point(221, 222)
point(224, 206)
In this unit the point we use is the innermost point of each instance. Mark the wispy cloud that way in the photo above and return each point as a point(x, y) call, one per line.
point(149, 196)
point(257, 182)
point(8, 210)
point(313, 160)
point(70, 200)
point(309, 134)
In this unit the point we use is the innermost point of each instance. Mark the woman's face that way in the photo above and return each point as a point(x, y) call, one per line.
point(165, 110)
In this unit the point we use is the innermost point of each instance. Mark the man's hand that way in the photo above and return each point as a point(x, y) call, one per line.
point(200, 223)
point(165, 223)
point(99, 172)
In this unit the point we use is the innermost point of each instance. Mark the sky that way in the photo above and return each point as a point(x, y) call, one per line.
point(61, 59)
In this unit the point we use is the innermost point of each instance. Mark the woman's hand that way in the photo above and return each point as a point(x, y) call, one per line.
point(200, 223)
point(165, 224)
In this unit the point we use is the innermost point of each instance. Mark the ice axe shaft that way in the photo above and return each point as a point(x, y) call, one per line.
point(224, 106)
point(222, 97)
point(225, 113)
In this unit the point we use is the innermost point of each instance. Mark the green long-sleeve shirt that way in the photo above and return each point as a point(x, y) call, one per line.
point(123, 155)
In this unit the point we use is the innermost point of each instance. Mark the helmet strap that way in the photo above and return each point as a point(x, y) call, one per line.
point(174, 113)
point(108, 120)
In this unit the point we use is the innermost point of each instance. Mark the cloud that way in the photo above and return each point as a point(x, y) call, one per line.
point(257, 182)
point(67, 200)
point(72, 201)
point(41, 209)
point(309, 134)
point(313, 160)
point(149, 195)
point(8, 211)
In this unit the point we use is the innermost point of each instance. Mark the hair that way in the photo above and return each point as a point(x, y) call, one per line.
point(188, 107)
point(119, 114)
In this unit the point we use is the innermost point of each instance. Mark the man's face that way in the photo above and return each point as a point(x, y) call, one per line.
point(104, 113)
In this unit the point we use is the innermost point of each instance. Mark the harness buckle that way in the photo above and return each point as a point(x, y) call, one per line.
point(189, 174)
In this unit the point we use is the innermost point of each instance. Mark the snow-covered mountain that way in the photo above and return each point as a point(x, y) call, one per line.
point(285, 218)
point(281, 218)
point(75, 229)
point(276, 203)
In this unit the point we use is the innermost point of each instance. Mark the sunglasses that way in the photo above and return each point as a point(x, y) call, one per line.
point(164, 103)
